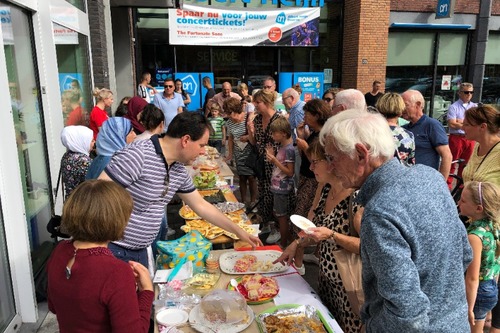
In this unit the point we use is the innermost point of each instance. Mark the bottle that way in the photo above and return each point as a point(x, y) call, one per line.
point(212, 263)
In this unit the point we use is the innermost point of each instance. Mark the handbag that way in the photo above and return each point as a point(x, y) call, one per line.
point(192, 246)
point(257, 161)
point(349, 267)
point(54, 225)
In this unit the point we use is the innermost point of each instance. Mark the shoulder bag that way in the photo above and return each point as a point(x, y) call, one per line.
point(54, 225)
point(349, 267)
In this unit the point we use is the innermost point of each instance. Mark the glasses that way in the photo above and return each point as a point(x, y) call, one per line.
point(329, 158)
point(316, 161)
point(286, 97)
point(168, 86)
point(328, 99)
point(467, 92)
point(267, 87)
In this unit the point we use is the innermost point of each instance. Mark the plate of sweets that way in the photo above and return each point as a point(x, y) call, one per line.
point(256, 288)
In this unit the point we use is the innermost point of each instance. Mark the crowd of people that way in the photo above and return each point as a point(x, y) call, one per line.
point(371, 171)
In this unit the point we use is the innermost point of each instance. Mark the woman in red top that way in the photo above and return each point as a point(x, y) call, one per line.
point(89, 289)
point(99, 115)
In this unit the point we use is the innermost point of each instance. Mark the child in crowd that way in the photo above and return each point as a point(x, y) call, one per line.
point(218, 138)
point(479, 201)
point(282, 177)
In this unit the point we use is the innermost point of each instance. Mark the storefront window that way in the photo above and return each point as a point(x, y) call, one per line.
point(491, 81)
point(7, 309)
point(74, 80)
point(28, 118)
point(411, 65)
point(80, 4)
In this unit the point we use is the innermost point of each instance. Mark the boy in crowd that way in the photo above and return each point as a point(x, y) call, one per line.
point(282, 184)
point(218, 137)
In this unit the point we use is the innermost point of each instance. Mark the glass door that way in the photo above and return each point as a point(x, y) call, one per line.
point(7, 309)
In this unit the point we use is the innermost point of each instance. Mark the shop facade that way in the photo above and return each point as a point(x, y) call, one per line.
point(44, 51)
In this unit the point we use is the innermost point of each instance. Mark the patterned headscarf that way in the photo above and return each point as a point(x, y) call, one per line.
point(77, 139)
point(112, 136)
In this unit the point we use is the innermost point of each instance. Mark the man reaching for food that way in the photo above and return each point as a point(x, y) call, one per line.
point(153, 171)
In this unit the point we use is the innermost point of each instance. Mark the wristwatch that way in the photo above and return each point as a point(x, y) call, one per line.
point(332, 236)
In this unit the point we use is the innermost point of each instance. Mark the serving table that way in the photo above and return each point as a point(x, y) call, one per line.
point(293, 290)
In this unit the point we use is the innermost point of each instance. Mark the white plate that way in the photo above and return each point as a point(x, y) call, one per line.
point(202, 325)
point(302, 223)
point(172, 317)
point(228, 259)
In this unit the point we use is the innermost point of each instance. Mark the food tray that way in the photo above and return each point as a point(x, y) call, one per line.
point(228, 259)
point(188, 214)
point(200, 324)
point(229, 207)
point(214, 196)
point(294, 318)
point(257, 301)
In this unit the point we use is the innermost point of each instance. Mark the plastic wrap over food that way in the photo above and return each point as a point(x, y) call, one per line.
point(291, 318)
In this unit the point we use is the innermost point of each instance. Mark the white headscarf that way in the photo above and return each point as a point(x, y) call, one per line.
point(77, 139)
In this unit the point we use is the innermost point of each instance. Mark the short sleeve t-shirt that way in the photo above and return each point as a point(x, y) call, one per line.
point(97, 117)
point(280, 182)
point(217, 124)
point(429, 134)
point(140, 168)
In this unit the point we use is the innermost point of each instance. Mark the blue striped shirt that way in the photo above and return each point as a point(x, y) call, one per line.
point(140, 168)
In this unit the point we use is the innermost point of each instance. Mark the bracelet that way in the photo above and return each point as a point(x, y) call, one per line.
point(332, 236)
point(299, 241)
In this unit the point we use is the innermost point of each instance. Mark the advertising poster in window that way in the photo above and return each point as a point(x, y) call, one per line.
point(194, 25)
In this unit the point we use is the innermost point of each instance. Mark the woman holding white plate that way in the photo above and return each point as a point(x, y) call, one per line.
point(331, 216)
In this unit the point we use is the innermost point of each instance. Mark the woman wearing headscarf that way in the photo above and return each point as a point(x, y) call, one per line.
point(115, 134)
point(135, 106)
point(75, 162)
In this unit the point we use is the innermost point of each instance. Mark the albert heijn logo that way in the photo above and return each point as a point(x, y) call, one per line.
point(281, 18)
point(190, 84)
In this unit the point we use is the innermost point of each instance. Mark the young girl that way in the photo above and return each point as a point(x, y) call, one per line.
point(479, 201)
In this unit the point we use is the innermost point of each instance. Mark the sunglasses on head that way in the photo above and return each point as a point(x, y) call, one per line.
point(468, 92)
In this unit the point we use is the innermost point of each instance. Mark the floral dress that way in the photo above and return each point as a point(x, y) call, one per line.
point(405, 145)
point(74, 167)
point(265, 206)
point(331, 288)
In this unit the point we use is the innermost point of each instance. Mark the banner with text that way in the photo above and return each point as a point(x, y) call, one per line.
point(194, 25)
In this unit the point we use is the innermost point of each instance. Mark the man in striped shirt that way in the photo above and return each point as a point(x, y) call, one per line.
point(153, 171)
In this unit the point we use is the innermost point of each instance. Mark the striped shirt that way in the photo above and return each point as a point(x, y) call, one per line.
point(140, 168)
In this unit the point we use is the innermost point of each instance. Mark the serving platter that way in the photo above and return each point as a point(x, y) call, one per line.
point(252, 302)
point(204, 326)
point(228, 260)
point(300, 318)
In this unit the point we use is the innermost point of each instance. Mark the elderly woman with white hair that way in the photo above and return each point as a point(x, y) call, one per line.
point(414, 247)
point(75, 162)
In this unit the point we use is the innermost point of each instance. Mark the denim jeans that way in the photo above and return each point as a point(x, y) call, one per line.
point(486, 299)
point(140, 255)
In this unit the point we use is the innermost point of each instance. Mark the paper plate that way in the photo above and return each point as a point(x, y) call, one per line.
point(302, 223)
point(172, 317)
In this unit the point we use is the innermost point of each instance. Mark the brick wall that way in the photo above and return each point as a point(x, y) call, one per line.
point(98, 43)
point(366, 25)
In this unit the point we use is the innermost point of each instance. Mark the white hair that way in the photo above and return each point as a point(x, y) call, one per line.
point(350, 127)
point(351, 99)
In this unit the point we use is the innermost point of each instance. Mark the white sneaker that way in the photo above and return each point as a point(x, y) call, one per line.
point(254, 210)
point(265, 229)
point(301, 270)
point(273, 237)
point(311, 258)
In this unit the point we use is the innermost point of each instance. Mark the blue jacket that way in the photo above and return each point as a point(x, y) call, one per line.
point(414, 250)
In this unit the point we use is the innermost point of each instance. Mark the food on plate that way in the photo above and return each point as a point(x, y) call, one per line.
point(293, 323)
point(250, 263)
point(207, 229)
point(229, 207)
point(187, 213)
point(224, 306)
point(203, 280)
point(205, 179)
point(259, 287)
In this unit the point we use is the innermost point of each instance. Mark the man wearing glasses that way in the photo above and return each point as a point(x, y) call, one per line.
point(270, 84)
point(169, 102)
point(460, 147)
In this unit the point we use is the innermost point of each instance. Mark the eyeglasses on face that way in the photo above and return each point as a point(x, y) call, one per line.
point(168, 86)
point(328, 99)
point(467, 92)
